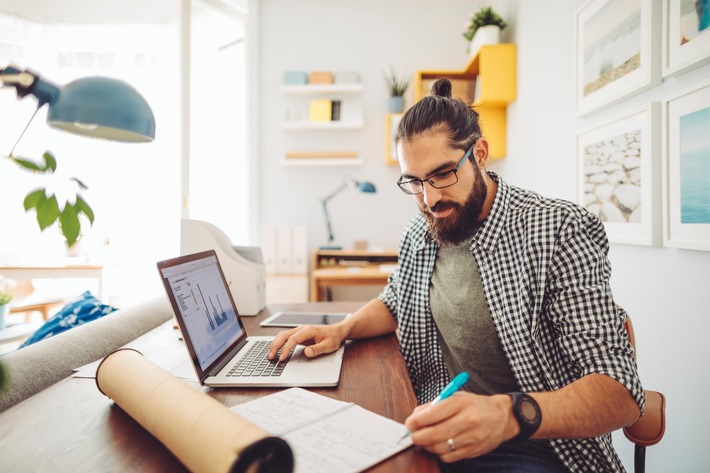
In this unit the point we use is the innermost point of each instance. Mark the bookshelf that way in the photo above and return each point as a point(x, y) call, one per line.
point(488, 82)
point(304, 112)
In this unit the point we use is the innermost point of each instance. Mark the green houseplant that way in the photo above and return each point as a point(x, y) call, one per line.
point(47, 208)
point(396, 87)
point(484, 17)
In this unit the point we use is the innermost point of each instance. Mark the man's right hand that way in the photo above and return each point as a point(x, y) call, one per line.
point(319, 339)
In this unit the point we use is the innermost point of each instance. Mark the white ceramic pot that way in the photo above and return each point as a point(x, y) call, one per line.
point(489, 34)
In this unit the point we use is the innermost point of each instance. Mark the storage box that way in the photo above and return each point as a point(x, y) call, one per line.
point(295, 78)
point(346, 78)
point(320, 77)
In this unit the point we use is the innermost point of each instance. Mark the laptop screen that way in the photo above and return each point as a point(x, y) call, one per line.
point(201, 297)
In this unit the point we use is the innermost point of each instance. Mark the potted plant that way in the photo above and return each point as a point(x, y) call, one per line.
point(484, 27)
point(396, 86)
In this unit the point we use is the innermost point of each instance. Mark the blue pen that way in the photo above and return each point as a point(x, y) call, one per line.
point(450, 388)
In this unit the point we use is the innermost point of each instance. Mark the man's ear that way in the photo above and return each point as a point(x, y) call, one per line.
point(480, 151)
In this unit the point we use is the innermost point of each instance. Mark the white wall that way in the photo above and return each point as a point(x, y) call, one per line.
point(665, 290)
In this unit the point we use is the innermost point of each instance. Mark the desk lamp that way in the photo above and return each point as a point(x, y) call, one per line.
point(92, 106)
point(365, 186)
point(98, 107)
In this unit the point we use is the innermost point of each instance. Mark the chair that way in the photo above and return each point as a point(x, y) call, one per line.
point(26, 300)
point(649, 428)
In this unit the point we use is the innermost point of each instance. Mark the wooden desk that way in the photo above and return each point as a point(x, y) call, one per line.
point(349, 268)
point(71, 426)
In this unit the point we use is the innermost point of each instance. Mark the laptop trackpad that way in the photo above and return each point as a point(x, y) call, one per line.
point(329, 358)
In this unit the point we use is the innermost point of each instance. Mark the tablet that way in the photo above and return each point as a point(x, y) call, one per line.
point(294, 319)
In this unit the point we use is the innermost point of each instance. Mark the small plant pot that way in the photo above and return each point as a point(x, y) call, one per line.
point(396, 104)
point(489, 34)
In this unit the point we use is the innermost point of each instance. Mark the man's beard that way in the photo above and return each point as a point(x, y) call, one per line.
point(463, 222)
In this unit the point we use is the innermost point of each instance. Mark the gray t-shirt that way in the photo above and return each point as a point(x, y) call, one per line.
point(467, 336)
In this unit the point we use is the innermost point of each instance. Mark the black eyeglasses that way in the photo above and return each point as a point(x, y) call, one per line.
point(437, 181)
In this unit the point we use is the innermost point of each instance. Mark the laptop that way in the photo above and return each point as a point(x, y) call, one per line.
point(220, 349)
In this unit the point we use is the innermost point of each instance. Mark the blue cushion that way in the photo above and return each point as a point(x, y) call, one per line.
point(80, 311)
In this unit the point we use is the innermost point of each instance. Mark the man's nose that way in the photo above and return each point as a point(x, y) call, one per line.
point(430, 195)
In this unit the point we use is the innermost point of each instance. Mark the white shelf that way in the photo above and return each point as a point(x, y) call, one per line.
point(297, 101)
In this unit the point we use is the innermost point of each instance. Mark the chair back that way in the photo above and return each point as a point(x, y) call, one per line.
point(651, 426)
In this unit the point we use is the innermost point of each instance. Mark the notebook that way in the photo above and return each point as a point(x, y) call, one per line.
point(216, 338)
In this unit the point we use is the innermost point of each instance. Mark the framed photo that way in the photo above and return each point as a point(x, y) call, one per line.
point(618, 51)
point(686, 165)
point(619, 176)
point(392, 123)
point(686, 35)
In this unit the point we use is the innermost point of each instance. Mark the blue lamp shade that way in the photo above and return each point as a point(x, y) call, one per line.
point(366, 186)
point(103, 108)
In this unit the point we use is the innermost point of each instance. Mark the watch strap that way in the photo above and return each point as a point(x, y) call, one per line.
point(527, 412)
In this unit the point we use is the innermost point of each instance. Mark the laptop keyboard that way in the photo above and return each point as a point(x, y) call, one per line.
point(255, 363)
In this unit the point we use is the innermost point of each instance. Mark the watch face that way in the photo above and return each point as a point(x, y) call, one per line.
point(527, 409)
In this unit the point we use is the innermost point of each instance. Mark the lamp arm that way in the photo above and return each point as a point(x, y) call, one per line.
point(328, 225)
point(27, 82)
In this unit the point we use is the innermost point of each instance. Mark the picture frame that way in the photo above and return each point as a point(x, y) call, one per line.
point(686, 36)
point(391, 124)
point(618, 51)
point(686, 166)
point(618, 172)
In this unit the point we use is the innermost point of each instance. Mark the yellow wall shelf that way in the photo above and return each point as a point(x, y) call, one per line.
point(488, 82)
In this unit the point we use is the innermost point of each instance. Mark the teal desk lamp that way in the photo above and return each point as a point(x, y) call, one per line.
point(99, 107)
point(365, 186)
point(92, 106)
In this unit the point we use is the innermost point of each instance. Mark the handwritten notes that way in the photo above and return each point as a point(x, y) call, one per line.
point(326, 435)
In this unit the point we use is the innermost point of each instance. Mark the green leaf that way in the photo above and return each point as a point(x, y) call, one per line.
point(47, 212)
point(82, 206)
point(34, 198)
point(48, 166)
point(50, 162)
point(69, 224)
point(26, 163)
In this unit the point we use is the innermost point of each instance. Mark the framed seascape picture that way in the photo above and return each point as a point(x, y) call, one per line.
point(618, 51)
point(686, 165)
point(619, 176)
point(686, 35)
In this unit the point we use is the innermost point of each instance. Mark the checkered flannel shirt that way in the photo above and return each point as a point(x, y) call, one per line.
point(545, 274)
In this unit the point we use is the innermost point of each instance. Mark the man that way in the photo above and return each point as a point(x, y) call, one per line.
point(510, 287)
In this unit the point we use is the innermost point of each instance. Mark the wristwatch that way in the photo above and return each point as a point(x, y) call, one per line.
point(527, 413)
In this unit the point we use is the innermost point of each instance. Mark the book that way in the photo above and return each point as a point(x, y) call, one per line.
point(335, 110)
point(326, 435)
point(321, 110)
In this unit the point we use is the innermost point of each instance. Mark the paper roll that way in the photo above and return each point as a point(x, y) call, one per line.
point(200, 431)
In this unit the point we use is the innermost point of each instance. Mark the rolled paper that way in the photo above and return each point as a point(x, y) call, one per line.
point(201, 432)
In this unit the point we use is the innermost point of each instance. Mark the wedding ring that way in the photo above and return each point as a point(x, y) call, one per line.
point(452, 445)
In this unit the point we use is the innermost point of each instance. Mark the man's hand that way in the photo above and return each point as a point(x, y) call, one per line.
point(319, 339)
point(476, 424)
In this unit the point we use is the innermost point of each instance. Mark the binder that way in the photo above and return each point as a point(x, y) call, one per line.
point(268, 247)
point(299, 249)
point(284, 259)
